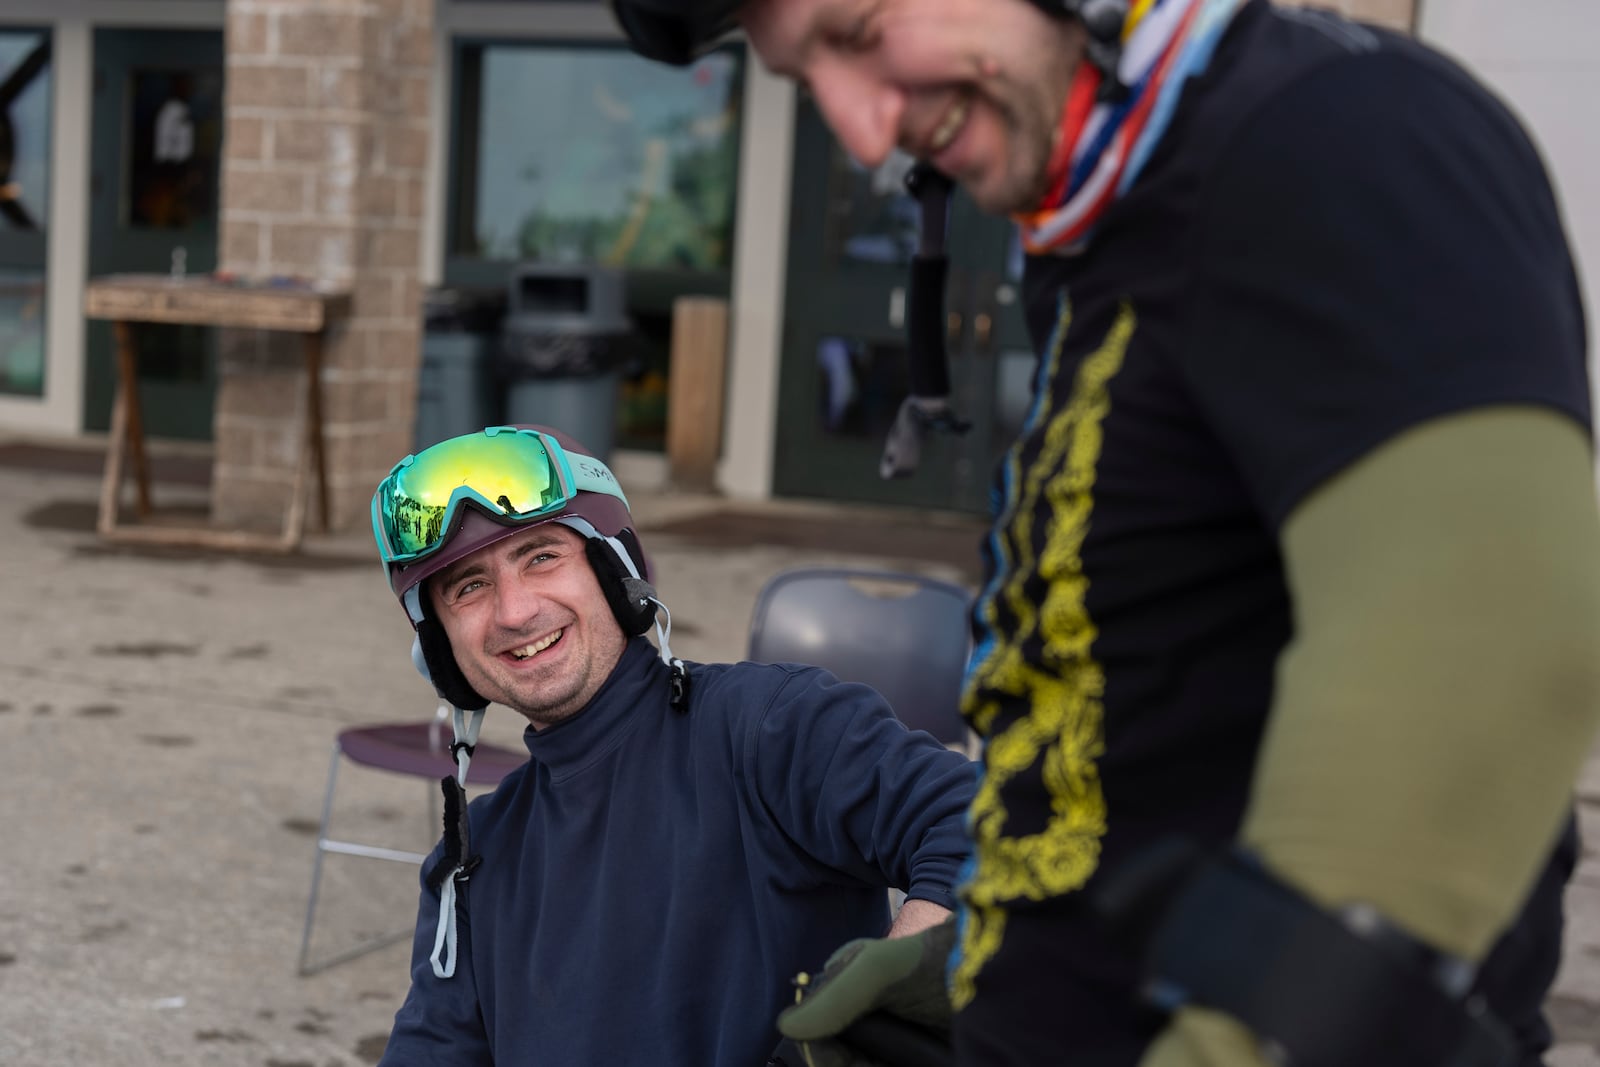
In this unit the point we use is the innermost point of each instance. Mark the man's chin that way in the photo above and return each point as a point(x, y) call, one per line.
point(541, 717)
point(995, 195)
point(537, 707)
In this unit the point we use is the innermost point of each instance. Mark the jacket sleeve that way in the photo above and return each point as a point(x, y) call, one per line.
point(857, 792)
point(440, 1024)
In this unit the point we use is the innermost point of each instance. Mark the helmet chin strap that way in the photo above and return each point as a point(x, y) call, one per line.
point(640, 592)
point(458, 861)
point(679, 700)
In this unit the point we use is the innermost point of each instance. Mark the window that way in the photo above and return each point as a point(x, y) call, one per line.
point(24, 207)
point(592, 154)
point(586, 153)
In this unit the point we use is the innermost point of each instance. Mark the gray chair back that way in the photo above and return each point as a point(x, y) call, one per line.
point(905, 635)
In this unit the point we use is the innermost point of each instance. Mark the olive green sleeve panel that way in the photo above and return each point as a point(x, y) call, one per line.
point(1443, 686)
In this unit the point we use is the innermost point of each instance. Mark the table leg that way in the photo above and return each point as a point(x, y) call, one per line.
point(314, 410)
point(111, 479)
point(128, 399)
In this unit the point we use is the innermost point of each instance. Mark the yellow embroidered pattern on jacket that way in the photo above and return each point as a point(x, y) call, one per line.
point(1060, 688)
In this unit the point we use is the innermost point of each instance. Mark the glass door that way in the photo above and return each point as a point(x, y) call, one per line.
point(25, 75)
point(844, 364)
point(155, 152)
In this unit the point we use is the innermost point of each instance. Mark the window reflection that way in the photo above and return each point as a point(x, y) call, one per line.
point(24, 207)
point(24, 128)
point(873, 219)
point(860, 385)
point(594, 154)
point(173, 149)
point(22, 332)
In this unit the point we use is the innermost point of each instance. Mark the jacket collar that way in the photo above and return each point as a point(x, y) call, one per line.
point(638, 686)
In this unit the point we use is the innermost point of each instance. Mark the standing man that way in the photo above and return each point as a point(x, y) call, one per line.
point(684, 838)
point(1286, 656)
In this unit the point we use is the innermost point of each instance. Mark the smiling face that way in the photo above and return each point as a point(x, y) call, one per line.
point(528, 623)
point(974, 87)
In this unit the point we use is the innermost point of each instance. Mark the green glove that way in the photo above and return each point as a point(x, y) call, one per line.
point(904, 977)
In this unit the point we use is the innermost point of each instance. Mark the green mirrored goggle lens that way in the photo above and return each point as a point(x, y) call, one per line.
point(512, 473)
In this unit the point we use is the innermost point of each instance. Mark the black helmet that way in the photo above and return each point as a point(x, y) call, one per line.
point(677, 31)
point(674, 31)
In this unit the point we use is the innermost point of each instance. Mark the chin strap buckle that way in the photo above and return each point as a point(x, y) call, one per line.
point(679, 700)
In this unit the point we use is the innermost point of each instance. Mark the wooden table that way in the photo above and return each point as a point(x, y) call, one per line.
point(128, 299)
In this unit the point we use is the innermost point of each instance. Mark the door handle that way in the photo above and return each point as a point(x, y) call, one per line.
point(982, 327)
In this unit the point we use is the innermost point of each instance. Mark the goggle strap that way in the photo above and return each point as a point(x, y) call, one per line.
point(585, 480)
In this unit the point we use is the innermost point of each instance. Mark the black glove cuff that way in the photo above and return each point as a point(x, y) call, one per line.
point(1319, 988)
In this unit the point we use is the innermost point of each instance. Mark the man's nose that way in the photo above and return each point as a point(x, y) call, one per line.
point(516, 600)
point(863, 111)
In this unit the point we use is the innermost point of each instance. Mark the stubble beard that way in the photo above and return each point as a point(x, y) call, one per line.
point(524, 698)
point(1031, 134)
point(551, 711)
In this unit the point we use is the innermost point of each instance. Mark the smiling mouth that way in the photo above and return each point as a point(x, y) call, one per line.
point(531, 650)
point(949, 126)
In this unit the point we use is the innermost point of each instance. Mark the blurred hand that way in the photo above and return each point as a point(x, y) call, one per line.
point(903, 977)
point(1199, 1038)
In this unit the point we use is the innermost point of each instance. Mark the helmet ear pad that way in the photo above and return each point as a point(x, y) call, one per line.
point(442, 669)
point(632, 600)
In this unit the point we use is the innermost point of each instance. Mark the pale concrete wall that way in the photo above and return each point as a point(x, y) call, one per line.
point(1542, 61)
point(1397, 14)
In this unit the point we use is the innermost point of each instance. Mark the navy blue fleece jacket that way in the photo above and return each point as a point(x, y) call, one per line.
point(652, 880)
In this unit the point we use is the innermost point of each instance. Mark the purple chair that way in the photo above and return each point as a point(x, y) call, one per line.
point(419, 749)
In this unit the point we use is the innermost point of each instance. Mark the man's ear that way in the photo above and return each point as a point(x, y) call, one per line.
point(435, 660)
point(631, 599)
point(439, 667)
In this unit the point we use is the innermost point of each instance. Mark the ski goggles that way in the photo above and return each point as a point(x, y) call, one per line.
point(513, 475)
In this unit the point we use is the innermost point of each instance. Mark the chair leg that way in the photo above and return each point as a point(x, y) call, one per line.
point(325, 845)
point(316, 865)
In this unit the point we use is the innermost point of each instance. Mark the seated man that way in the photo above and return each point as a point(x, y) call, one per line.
point(685, 837)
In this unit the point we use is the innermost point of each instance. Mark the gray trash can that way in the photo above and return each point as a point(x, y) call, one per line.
point(454, 387)
point(562, 349)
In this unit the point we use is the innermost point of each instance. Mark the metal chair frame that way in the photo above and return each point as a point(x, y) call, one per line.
point(419, 749)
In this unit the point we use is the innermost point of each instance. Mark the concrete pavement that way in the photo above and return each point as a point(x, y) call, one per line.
point(167, 717)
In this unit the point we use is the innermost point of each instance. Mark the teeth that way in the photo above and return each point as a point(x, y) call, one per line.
point(537, 647)
point(949, 127)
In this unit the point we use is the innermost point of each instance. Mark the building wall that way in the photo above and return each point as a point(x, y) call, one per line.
point(323, 178)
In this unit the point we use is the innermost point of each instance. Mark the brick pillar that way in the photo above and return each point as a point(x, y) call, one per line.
point(326, 124)
point(1396, 14)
